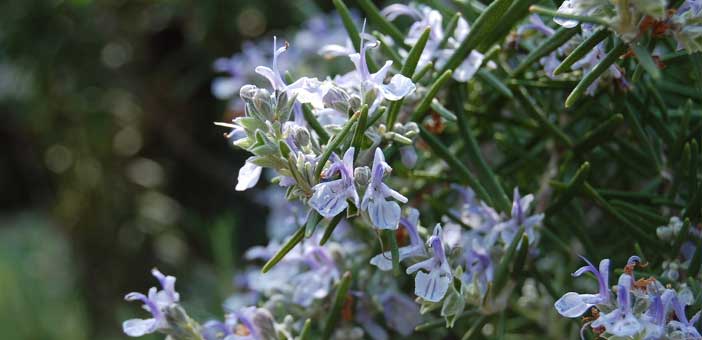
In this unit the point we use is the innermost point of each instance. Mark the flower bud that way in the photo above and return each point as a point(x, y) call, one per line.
point(301, 136)
point(337, 99)
point(411, 130)
point(263, 103)
point(248, 92)
point(284, 106)
point(362, 175)
point(409, 156)
point(355, 103)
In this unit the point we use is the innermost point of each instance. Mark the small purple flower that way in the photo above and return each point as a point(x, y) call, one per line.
point(621, 321)
point(305, 90)
point(520, 218)
point(330, 198)
point(572, 305)
point(654, 320)
point(415, 248)
point(432, 283)
point(682, 325)
point(384, 214)
point(479, 265)
point(155, 302)
point(398, 87)
point(316, 282)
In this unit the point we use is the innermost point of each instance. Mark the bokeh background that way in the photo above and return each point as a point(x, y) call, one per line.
point(109, 161)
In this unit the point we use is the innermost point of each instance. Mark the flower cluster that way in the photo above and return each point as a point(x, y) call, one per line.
point(642, 309)
point(383, 168)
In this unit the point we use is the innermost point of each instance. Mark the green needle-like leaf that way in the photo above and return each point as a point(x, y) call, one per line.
point(518, 10)
point(635, 229)
point(442, 111)
point(646, 60)
point(387, 49)
point(462, 171)
point(354, 34)
point(312, 222)
point(537, 114)
point(495, 190)
point(377, 19)
point(442, 322)
point(573, 188)
point(598, 135)
point(450, 29)
point(330, 228)
point(595, 73)
point(339, 300)
point(494, 82)
point(581, 50)
point(502, 270)
point(475, 328)
point(314, 123)
point(549, 45)
point(424, 105)
point(407, 70)
point(360, 130)
point(394, 251)
point(555, 14)
point(305, 332)
point(635, 123)
point(486, 22)
point(285, 249)
point(334, 143)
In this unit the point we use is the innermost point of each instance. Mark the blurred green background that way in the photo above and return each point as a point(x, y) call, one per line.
point(109, 161)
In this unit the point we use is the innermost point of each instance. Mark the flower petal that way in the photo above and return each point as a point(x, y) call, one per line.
point(329, 198)
point(248, 176)
point(379, 77)
point(431, 287)
point(384, 214)
point(398, 88)
point(139, 327)
point(567, 7)
point(272, 77)
point(468, 67)
point(572, 305)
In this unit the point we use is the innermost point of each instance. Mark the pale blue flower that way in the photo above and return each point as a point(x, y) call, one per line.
point(415, 248)
point(572, 305)
point(621, 321)
point(682, 326)
point(426, 16)
point(520, 218)
point(654, 320)
point(155, 303)
point(331, 198)
point(383, 213)
point(433, 281)
point(317, 280)
point(398, 87)
point(479, 265)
